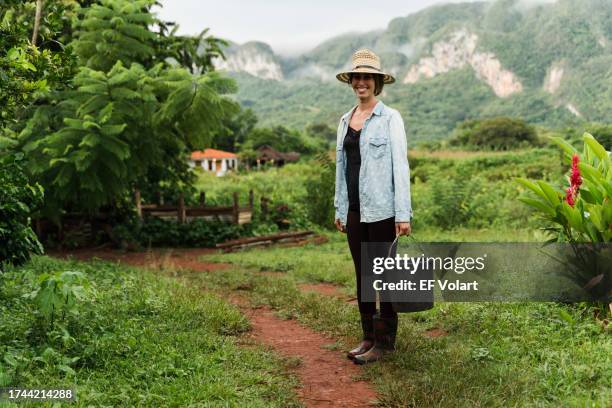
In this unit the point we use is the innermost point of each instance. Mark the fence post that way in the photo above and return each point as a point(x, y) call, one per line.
point(138, 202)
point(236, 208)
point(251, 199)
point(160, 198)
point(181, 208)
point(264, 206)
point(39, 228)
point(202, 198)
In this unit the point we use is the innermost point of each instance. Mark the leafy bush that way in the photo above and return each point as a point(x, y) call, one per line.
point(501, 133)
point(320, 192)
point(284, 140)
point(451, 200)
point(159, 232)
point(18, 200)
point(58, 293)
point(585, 213)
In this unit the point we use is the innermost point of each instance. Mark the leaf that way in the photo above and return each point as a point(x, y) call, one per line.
point(545, 208)
point(595, 147)
point(566, 316)
point(66, 369)
point(573, 216)
point(532, 186)
point(551, 195)
point(568, 148)
point(589, 172)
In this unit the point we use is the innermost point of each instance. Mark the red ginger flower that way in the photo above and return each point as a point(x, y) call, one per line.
point(575, 178)
point(575, 181)
point(570, 196)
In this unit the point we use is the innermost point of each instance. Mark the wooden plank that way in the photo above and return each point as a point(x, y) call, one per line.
point(273, 237)
point(181, 208)
point(236, 208)
point(245, 217)
point(138, 202)
point(159, 207)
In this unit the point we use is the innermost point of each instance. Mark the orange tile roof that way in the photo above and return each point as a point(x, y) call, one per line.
point(212, 154)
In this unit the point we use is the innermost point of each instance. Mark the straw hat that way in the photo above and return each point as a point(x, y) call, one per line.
point(365, 61)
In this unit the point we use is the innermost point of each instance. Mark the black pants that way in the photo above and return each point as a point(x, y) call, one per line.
point(358, 232)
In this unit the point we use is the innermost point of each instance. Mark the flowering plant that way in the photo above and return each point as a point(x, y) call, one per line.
point(584, 214)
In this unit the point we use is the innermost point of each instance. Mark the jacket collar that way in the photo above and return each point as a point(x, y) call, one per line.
point(376, 111)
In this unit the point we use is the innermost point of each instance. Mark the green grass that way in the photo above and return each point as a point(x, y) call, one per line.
point(332, 262)
point(139, 340)
point(495, 354)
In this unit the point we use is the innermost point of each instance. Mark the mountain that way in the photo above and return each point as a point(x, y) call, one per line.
point(548, 63)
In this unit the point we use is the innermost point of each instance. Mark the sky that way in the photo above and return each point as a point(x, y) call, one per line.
point(288, 26)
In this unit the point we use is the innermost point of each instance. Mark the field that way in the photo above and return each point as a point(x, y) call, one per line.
point(181, 328)
point(111, 282)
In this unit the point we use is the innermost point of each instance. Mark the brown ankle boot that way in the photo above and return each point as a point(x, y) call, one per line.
point(385, 329)
point(367, 325)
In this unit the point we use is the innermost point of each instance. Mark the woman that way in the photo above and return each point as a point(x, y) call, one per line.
point(372, 197)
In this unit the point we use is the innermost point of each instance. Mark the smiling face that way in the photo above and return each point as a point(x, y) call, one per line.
point(363, 85)
point(366, 85)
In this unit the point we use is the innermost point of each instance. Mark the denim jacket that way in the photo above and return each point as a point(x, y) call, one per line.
point(384, 175)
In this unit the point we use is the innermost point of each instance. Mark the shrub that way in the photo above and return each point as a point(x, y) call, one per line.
point(585, 214)
point(18, 199)
point(320, 192)
point(582, 215)
point(501, 133)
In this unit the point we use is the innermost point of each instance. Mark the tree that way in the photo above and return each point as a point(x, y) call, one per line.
point(18, 199)
point(129, 118)
point(235, 131)
point(28, 72)
point(39, 6)
point(500, 133)
point(116, 30)
point(283, 139)
point(128, 127)
point(321, 131)
point(195, 53)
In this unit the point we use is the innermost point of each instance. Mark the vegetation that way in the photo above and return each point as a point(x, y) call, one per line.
point(86, 137)
point(500, 133)
point(103, 97)
point(18, 201)
point(120, 336)
point(583, 213)
point(557, 353)
point(527, 38)
point(284, 140)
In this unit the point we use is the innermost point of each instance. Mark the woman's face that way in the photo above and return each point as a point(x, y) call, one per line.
point(363, 85)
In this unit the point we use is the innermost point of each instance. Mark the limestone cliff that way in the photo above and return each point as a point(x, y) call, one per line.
point(254, 58)
point(458, 51)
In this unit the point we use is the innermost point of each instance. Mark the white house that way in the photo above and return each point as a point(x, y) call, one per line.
point(214, 160)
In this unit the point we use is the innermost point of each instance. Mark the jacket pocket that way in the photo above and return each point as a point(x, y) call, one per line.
point(339, 154)
point(378, 146)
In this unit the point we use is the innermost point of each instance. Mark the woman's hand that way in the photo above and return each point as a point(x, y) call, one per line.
point(340, 227)
point(402, 228)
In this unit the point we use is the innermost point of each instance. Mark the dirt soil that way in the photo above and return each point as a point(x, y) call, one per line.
point(327, 377)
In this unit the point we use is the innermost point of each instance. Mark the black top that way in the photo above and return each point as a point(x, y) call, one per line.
point(353, 158)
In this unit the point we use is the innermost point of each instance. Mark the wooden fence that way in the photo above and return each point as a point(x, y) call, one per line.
point(235, 213)
point(84, 227)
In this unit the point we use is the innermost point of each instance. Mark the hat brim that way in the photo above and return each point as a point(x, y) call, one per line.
point(344, 76)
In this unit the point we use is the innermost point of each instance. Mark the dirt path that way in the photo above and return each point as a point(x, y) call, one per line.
point(327, 377)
